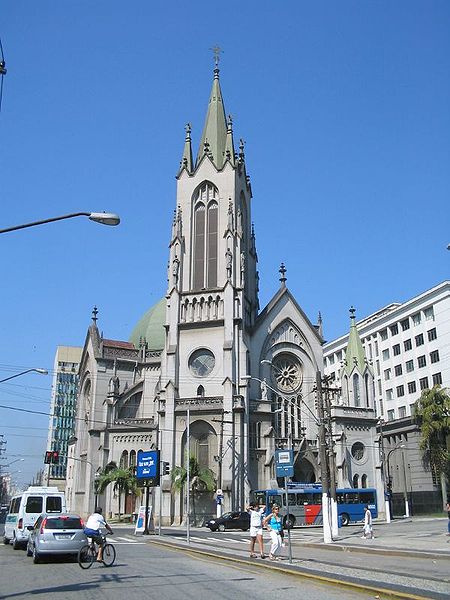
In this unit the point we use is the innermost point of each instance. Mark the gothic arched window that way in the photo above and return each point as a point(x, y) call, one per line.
point(355, 481)
point(124, 460)
point(205, 237)
point(364, 481)
point(200, 391)
point(356, 390)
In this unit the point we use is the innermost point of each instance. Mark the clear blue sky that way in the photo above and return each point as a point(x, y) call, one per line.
point(344, 107)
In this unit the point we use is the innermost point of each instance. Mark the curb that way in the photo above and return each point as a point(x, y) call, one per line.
point(437, 554)
point(292, 571)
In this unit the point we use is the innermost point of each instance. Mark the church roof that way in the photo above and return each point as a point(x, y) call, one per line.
point(215, 129)
point(354, 355)
point(151, 327)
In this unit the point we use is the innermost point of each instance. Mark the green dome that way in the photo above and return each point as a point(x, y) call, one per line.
point(151, 327)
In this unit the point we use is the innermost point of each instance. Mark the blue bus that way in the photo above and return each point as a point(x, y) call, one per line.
point(305, 503)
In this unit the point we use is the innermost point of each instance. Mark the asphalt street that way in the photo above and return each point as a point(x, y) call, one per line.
point(146, 570)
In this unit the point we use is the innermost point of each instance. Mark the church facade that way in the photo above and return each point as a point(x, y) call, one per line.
point(205, 359)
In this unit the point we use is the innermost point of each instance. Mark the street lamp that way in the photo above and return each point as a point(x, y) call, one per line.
point(40, 371)
point(99, 217)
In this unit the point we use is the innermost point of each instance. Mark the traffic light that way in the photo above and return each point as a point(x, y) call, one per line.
point(51, 457)
point(166, 468)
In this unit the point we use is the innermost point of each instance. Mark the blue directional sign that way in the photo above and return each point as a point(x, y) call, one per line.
point(147, 468)
point(284, 463)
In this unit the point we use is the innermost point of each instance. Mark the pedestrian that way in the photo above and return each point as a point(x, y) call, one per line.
point(368, 529)
point(448, 514)
point(256, 529)
point(274, 527)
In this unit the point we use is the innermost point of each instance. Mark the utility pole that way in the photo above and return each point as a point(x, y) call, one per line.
point(331, 462)
point(327, 538)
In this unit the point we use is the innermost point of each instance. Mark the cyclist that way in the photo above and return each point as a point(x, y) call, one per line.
point(92, 530)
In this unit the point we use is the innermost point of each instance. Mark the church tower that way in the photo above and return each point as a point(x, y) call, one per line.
point(211, 306)
point(354, 420)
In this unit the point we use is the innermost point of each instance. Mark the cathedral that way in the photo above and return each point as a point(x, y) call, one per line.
point(207, 360)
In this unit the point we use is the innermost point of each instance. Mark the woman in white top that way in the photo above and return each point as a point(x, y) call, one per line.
point(256, 531)
point(368, 530)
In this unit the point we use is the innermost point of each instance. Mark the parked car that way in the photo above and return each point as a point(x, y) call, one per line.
point(230, 520)
point(55, 534)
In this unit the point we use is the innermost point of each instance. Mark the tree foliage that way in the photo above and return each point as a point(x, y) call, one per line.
point(432, 413)
point(123, 479)
point(202, 479)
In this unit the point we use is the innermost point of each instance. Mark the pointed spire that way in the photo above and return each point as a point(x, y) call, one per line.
point(215, 128)
point(229, 144)
point(283, 278)
point(186, 159)
point(354, 354)
point(320, 324)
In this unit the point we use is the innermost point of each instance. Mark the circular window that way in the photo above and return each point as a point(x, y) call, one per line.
point(358, 450)
point(287, 373)
point(201, 362)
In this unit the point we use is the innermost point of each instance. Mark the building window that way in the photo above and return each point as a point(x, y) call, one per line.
point(434, 356)
point(407, 344)
point(394, 329)
point(416, 319)
point(398, 370)
point(437, 379)
point(355, 481)
point(400, 391)
point(412, 387)
point(419, 339)
point(205, 237)
point(405, 324)
point(386, 354)
point(376, 348)
point(389, 394)
point(380, 389)
point(356, 390)
point(255, 435)
point(387, 374)
point(331, 359)
point(378, 367)
point(390, 415)
point(432, 335)
point(429, 314)
point(381, 407)
point(409, 366)
point(401, 412)
point(358, 450)
point(364, 481)
point(422, 361)
point(396, 349)
point(384, 335)
point(200, 391)
point(423, 383)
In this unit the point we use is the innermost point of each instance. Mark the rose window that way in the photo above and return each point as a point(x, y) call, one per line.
point(287, 373)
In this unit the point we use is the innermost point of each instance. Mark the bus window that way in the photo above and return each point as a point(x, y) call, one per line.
point(292, 499)
point(351, 498)
point(367, 497)
point(275, 499)
point(260, 498)
point(303, 499)
point(316, 498)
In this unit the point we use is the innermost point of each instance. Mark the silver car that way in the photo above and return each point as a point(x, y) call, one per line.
point(56, 534)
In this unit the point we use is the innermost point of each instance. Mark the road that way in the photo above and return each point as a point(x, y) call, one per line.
point(144, 570)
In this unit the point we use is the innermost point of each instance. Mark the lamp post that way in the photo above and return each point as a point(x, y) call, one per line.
point(40, 371)
point(103, 218)
point(389, 480)
point(387, 504)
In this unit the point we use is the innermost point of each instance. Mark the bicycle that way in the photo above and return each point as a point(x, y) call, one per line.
point(87, 554)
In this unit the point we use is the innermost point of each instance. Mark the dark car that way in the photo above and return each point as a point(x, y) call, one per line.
point(230, 520)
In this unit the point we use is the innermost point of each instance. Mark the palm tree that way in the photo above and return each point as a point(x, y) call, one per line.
point(202, 479)
point(432, 413)
point(123, 479)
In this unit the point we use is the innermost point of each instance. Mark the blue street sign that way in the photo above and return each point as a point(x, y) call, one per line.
point(147, 467)
point(284, 463)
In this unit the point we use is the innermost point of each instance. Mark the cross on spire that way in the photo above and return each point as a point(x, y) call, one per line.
point(352, 311)
point(94, 315)
point(282, 271)
point(217, 50)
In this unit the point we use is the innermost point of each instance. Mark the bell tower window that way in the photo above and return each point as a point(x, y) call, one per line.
point(205, 237)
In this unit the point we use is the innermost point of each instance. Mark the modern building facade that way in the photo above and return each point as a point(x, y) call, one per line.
point(62, 410)
point(407, 347)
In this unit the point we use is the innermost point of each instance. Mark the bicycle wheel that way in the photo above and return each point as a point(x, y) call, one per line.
point(86, 556)
point(109, 555)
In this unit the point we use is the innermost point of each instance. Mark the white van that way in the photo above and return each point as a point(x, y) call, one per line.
point(25, 508)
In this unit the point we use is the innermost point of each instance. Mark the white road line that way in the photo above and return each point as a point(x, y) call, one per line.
point(129, 543)
point(125, 539)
